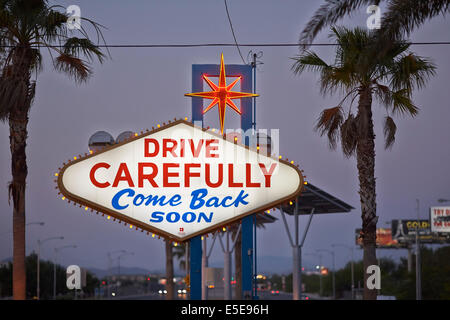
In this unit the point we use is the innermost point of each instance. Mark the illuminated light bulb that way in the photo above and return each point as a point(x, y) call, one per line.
point(279, 157)
point(56, 174)
point(86, 208)
point(185, 118)
point(74, 158)
point(159, 126)
point(224, 229)
point(203, 238)
point(213, 130)
point(305, 183)
point(108, 217)
point(292, 162)
point(91, 152)
point(131, 226)
point(290, 202)
point(268, 211)
point(136, 134)
point(153, 235)
point(175, 244)
point(257, 148)
point(63, 198)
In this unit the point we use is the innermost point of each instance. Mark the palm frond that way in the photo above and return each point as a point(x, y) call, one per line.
point(73, 66)
point(411, 71)
point(76, 46)
point(308, 61)
point(328, 14)
point(349, 135)
point(390, 129)
point(329, 123)
point(404, 16)
point(402, 103)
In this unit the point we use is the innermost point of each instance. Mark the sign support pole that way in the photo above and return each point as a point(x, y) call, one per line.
point(246, 124)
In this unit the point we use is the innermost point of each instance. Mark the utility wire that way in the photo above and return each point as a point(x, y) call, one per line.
point(193, 45)
point(232, 31)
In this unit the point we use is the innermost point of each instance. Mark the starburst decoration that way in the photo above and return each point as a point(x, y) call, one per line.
point(221, 94)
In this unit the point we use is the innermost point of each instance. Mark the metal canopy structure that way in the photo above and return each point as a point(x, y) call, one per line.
point(322, 202)
point(312, 200)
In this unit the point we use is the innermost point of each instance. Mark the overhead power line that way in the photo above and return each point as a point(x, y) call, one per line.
point(197, 45)
point(232, 31)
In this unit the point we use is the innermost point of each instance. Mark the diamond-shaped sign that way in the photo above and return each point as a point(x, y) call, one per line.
point(179, 181)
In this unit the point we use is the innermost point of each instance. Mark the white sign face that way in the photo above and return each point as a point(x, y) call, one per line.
point(440, 219)
point(179, 181)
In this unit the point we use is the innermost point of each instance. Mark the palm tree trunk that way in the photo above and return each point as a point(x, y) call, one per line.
point(169, 272)
point(18, 135)
point(365, 154)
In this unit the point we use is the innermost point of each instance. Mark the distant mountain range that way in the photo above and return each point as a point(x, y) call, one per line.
point(266, 264)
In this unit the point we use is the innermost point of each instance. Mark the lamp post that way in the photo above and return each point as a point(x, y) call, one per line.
point(54, 267)
point(110, 261)
point(333, 271)
point(418, 262)
point(126, 253)
point(351, 266)
point(320, 269)
point(40, 242)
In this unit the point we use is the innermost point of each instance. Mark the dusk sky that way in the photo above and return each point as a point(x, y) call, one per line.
point(140, 87)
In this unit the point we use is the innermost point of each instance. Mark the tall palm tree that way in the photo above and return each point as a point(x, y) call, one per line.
point(400, 18)
point(26, 28)
point(360, 72)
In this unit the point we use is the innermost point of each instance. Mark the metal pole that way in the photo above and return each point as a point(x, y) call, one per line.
point(295, 274)
point(418, 263)
point(204, 266)
point(38, 268)
point(54, 274)
point(410, 262)
point(334, 277)
point(353, 275)
point(320, 276)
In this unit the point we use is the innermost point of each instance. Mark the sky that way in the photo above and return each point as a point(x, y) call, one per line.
point(140, 87)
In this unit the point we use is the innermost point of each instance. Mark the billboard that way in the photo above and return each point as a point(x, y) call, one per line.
point(440, 219)
point(404, 230)
point(179, 181)
point(384, 238)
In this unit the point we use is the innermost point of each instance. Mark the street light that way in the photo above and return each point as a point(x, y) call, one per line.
point(110, 261)
point(40, 242)
point(333, 276)
point(54, 266)
point(320, 268)
point(352, 267)
point(443, 200)
point(126, 253)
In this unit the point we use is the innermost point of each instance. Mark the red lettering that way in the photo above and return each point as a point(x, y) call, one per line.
point(92, 175)
point(196, 150)
point(248, 177)
point(188, 174)
point(210, 148)
point(231, 182)
point(208, 176)
point(147, 152)
point(167, 174)
point(267, 174)
point(149, 177)
point(123, 175)
point(170, 149)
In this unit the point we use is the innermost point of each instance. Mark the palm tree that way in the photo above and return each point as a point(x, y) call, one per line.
point(400, 18)
point(27, 26)
point(360, 72)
